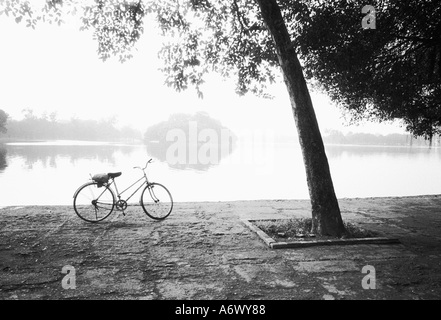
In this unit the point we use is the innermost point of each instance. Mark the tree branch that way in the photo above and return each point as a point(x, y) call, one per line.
point(239, 16)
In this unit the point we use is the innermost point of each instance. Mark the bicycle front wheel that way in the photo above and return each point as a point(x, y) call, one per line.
point(157, 201)
point(93, 203)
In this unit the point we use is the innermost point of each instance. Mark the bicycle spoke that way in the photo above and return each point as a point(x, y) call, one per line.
point(91, 193)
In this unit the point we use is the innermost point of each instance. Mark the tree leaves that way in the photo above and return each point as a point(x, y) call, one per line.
point(117, 26)
point(200, 36)
point(218, 36)
point(382, 73)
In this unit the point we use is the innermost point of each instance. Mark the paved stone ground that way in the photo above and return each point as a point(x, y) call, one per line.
point(203, 251)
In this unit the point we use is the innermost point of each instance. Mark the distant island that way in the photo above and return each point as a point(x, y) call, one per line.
point(190, 141)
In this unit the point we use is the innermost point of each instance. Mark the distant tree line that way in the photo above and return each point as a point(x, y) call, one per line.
point(396, 139)
point(48, 127)
point(3, 120)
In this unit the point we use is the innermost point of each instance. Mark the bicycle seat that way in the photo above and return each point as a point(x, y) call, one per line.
point(114, 175)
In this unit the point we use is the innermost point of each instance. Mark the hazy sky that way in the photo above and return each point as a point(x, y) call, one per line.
point(57, 69)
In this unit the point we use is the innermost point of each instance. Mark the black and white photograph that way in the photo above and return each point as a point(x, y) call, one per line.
point(220, 157)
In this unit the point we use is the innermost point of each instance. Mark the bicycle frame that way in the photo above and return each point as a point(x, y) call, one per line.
point(145, 183)
point(119, 194)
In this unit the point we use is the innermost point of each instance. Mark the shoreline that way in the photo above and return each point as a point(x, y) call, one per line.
point(422, 196)
point(294, 143)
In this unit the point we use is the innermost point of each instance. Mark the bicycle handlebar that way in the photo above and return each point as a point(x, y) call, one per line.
point(150, 161)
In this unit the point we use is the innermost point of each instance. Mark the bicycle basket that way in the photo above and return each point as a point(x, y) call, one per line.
point(100, 179)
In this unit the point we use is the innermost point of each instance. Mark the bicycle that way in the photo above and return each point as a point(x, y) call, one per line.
point(94, 201)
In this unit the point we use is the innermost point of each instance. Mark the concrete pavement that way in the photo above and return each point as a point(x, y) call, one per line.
point(203, 251)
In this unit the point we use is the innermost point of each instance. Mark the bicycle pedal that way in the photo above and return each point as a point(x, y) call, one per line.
point(124, 214)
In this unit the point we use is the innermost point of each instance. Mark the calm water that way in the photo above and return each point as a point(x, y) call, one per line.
point(48, 173)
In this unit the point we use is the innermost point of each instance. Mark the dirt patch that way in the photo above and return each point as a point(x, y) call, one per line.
point(298, 229)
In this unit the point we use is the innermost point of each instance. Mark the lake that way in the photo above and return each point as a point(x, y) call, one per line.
point(48, 173)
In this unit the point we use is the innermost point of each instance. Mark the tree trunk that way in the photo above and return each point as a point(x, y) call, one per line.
point(326, 216)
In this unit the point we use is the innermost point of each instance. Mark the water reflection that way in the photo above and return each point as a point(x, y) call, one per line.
point(357, 171)
point(195, 142)
point(48, 154)
point(3, 163)
point(337, 151)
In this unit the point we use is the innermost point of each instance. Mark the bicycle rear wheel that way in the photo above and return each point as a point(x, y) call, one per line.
point(157, 201)
point(93, 203)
